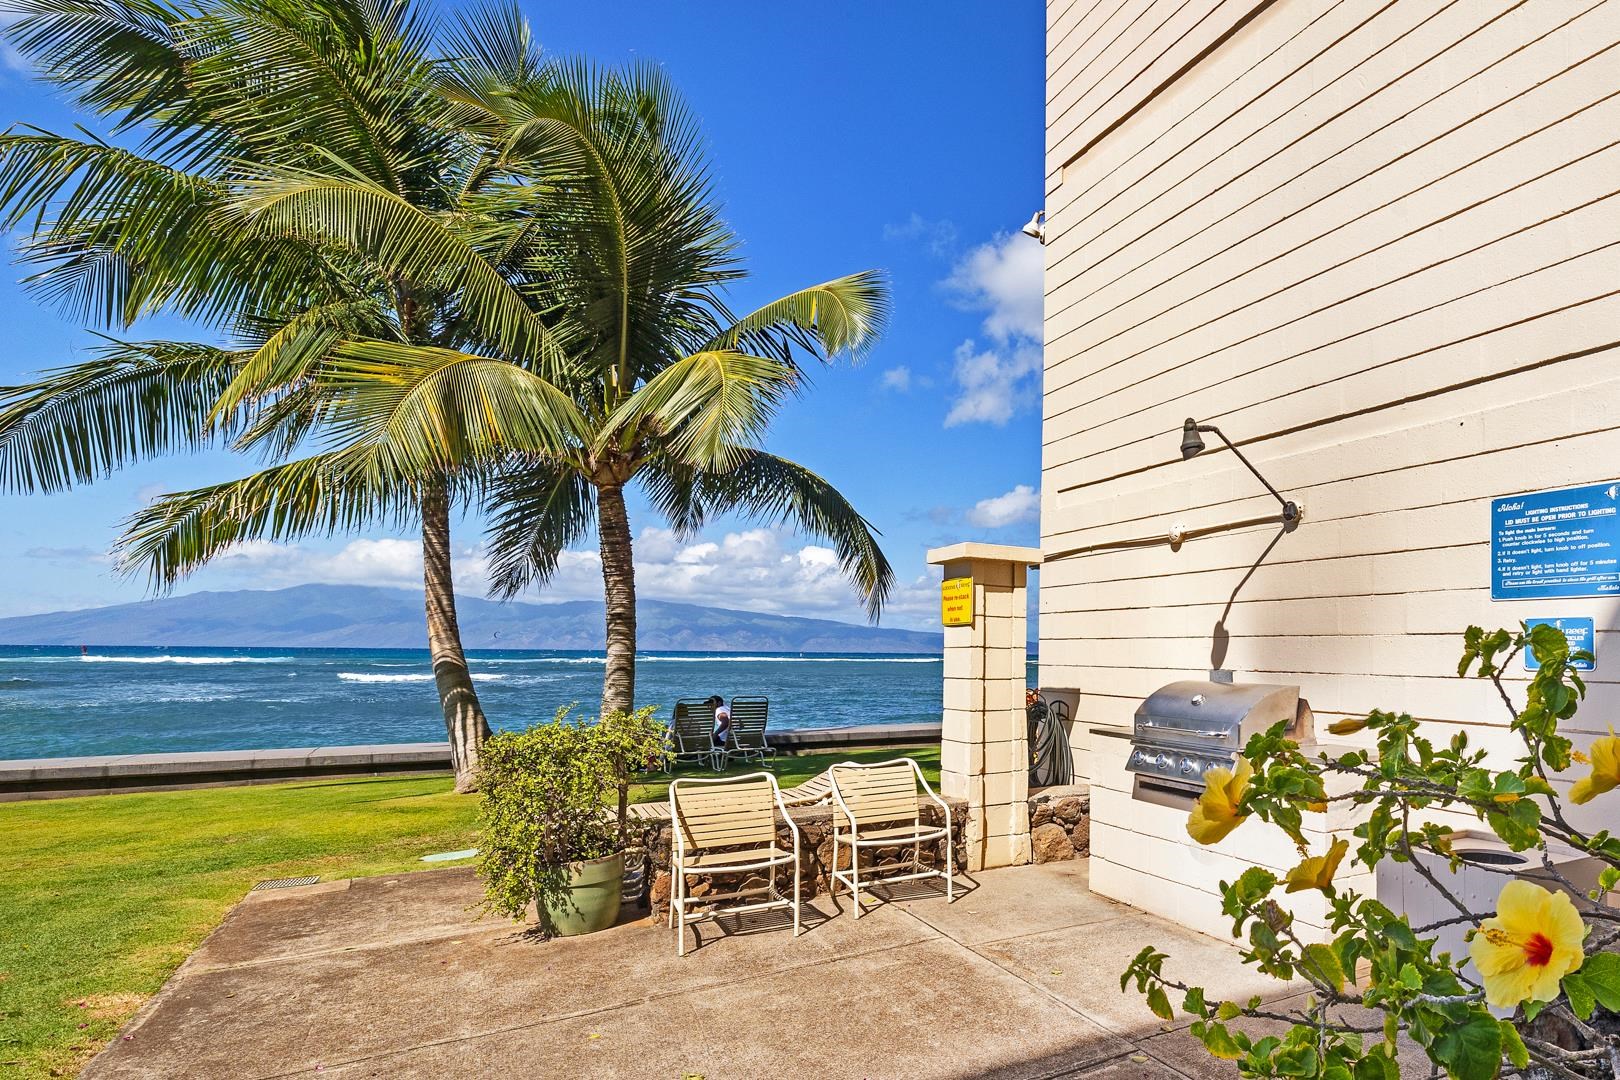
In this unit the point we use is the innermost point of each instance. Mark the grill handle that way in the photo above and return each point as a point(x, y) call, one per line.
point(1219, 733)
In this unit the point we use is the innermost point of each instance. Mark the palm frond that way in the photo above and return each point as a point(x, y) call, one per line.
point(772, 489)
point(845, 315)
point(114, 56)
point(289, 354)
point(132, 401)
point(431, 410)
point(320, 495)
point(703, 408)
point(544, 507)
point(118, 236)
point(404, 239)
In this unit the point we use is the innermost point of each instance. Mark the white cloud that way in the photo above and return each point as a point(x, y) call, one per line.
point(752, 570)
point(998, 377)
point(1003, 279)
point(897, 378)
point(936, 236)
point(359, 562)
point(993, 384)
point(1022, 503)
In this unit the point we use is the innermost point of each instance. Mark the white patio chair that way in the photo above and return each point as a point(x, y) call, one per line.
point(877, 806)
point(727, 825)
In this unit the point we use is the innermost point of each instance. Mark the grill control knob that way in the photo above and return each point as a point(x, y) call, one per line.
point(1186, 765)
point(1165, 761)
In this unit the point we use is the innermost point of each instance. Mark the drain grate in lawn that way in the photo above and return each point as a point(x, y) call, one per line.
point(284, 883)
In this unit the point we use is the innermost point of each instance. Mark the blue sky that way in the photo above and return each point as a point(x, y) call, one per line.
point(906, 136)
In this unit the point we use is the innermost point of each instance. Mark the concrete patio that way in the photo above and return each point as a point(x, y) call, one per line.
point(399, 976)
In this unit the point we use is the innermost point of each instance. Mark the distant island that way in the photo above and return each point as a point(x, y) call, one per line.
point(366, 617)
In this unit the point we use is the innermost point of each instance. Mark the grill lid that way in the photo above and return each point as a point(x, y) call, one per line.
point(1200, 710)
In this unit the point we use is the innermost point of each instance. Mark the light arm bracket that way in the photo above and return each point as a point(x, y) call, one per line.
point(1192, 444)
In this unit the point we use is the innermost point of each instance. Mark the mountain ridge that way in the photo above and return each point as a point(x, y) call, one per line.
point(377, 617)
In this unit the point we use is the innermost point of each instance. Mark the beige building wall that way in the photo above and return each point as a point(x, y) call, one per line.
point(1379, 245)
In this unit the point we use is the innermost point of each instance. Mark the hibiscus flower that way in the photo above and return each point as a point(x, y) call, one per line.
point(1605, 776)
point(1216, 814)
point(1527, 948)
point(1317, 871)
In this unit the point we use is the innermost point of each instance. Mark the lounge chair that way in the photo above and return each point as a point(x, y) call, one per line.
point(813, 792)
point(748, 718)
point(727, 825)
point(877, 805)
point(691, 733)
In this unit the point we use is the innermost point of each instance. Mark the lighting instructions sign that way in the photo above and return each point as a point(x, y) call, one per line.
point(1556, 544)
point(956, 601)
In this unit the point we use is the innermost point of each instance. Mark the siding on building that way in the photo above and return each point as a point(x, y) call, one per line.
point(1379, 245)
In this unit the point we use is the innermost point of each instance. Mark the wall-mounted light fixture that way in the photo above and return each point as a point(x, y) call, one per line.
point(1192, 444)
point(1036, 226)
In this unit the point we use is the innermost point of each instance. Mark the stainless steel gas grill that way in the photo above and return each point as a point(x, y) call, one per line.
point(1187, 728)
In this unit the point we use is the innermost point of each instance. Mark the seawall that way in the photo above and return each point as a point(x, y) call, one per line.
point(51, 778)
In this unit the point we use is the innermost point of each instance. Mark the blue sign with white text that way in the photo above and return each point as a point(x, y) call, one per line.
point(1580, 635)
point(1556, 543)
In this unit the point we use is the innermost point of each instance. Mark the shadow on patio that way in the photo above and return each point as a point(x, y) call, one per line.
point(400, 976)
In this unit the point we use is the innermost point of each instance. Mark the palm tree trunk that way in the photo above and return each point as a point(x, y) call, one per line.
point(464, 721)
point(619, 589)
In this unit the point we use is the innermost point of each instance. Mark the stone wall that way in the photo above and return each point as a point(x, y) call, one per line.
point(815, 848)
point(1060, 824)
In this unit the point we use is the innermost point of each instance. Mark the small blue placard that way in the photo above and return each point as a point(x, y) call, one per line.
point(1579, 633)
point(1556, 543)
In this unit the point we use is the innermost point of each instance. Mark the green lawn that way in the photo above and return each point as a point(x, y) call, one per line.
point(101, 898)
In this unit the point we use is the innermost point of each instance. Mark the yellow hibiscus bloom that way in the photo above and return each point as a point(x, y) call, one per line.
point(1216, 814)
point(1605, 776)
point(1527, 948)
point(1317, 871)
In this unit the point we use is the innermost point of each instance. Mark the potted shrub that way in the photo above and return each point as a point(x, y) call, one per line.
point(551, 839)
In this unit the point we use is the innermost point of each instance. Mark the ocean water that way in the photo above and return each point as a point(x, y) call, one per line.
point(59, 702)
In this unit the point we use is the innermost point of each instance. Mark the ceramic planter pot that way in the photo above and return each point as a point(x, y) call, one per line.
point(590, 901)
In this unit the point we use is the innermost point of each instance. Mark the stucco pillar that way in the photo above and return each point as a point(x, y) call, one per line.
point(984, 752)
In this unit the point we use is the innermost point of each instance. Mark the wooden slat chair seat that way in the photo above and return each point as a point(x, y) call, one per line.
point(733, 860)
point(748, 718)
point(691, 732)
point(877, 805)
point(727, 825)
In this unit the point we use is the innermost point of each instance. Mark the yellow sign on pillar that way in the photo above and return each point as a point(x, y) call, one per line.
point(956, 601)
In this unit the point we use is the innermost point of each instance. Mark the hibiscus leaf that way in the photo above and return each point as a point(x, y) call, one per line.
point(1582, 1000)
point(1601, 973)
point(1471, 1050)
point(1159, 1002)
point(1377, 1067)
point(1513, 1046)
point(1218, 1041)
point(1323, 962)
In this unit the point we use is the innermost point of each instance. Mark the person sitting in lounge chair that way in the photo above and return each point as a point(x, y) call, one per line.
point(722, 722)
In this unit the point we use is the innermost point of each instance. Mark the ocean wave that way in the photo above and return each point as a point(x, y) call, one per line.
point(91, 658)
point(369, 677)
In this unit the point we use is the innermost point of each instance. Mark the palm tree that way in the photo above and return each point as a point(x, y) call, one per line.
point(606, 222)
point(670, 389)
point(300, 182)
